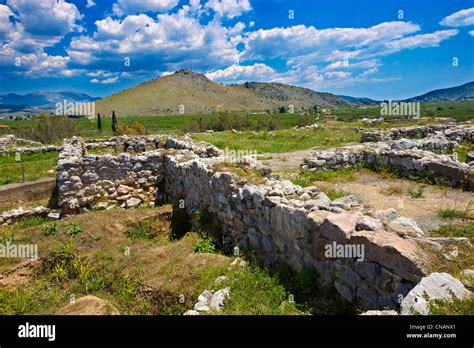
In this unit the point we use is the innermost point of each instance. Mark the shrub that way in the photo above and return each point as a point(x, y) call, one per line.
point(417, 193)
point(205, 245)
point(454, 307)
point(50, 229)
point(135, 129)
point(74, 230)
point(49, 129)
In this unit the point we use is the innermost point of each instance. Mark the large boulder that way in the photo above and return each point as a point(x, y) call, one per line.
point(393, 252)
point(436, 286)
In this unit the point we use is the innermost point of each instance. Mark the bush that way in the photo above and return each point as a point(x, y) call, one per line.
point(454, 307)
point(49, 129)
point(74, 230)
point(50, 229)
point(417, 193)
point(223, 121)
point(135, 129)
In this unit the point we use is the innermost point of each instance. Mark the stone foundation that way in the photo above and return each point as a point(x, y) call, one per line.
point(409, 158)
point(282, 222)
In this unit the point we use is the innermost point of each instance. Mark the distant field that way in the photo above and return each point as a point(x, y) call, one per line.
point(461, 111)
point(281, 140)
point(36, 166)
point(167, 124)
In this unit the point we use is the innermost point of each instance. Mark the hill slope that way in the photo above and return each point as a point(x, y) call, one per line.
point(357, 100)
point(198, 94)
point(463, 92)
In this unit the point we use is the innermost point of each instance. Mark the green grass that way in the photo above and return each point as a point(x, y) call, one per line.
point(281, 140)
point(36, 166)
point(257, 292)
point(417, 193)
point(452, 213)
point(462, 150)
point(462, 229)
point(453, 307)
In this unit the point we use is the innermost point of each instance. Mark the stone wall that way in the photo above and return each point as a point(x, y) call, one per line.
point(281, 221)
point(458, 133)
point(409, 158)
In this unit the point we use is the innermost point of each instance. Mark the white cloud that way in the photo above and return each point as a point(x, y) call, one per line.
point(90, 3)
point(229, 8)
point(36, 26)
point(240, 73)
point(125, 7)
point(460, 19)
point(304, 40)
point(106, 81)
point(471, 33)
point(46, 17)
point(170, 39)
point(422, 40)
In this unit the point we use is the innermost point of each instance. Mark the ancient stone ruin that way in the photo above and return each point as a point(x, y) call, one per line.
point(281, 221)
point(419, 152)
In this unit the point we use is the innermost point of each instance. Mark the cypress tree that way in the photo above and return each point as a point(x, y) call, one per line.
point(114, 122)
point(99, 122)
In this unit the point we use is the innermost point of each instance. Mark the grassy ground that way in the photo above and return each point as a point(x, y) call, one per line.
point(36, 166)
point(130, 260)
point(167, 124)
point(281, 140)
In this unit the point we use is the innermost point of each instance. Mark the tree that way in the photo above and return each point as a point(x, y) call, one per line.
point(114, 122)
point(99, 122)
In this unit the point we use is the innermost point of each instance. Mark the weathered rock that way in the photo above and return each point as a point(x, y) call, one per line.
point(435, 286)
point(395, 253)
point(218, 298)
point(406, 226)
point(133, 202)
point(382, 312)
point(339, 227)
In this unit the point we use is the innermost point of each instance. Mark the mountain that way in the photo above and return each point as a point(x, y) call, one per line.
point(195, 93)
point(458, 93)
point(357, 100)
point(44, 99)
point(12, 105)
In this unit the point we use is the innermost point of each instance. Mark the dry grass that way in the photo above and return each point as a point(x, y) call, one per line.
point(112, 259)
point(393, 190)
point(246, 174)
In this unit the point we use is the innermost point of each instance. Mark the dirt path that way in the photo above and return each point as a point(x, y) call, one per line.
point(380, 192)
point(285, 160)
point(384, 193)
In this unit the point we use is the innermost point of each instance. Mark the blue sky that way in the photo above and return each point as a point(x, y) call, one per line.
point(385, 49)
